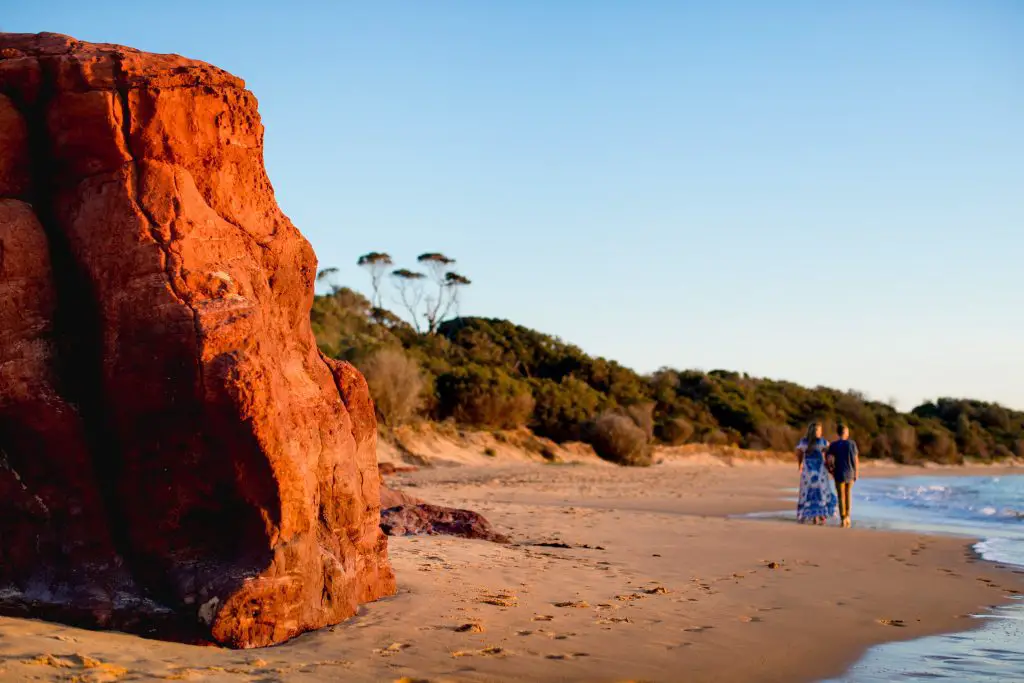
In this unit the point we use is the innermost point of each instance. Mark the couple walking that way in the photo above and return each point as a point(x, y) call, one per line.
point(820, 462)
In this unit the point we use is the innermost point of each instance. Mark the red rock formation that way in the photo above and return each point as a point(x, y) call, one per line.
point(176, 454)
point(410, 519)
point(392, 498)
point(402, 514)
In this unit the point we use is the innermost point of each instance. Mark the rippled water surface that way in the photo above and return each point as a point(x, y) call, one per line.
point(990, 508)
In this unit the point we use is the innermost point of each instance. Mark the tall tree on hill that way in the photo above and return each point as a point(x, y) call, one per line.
point(409, 284)
point(327, 276)
point(447, 281)
point(377, 263)
point(453, 281)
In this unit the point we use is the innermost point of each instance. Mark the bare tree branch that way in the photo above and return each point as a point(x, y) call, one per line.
point(377, 263)
point(410, 292)
point(437, 306)
point(452, 282)
point(327, 275)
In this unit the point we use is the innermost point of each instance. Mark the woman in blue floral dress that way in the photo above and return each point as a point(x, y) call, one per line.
point(817, 501)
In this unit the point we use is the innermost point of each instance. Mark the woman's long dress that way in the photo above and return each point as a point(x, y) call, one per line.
point(817, 499)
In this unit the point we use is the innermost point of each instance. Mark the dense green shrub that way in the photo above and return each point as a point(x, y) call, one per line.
point(396, 384)
point(495, 374)
point(675, 431)
point(563, 409)
point(903, 441)
point(774, 437)
point(642, 415)
point(344, 327)
point(618, 438)
point(484, 397)
point(936, 443)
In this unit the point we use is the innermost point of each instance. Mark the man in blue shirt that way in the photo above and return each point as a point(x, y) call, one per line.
point(843, 461)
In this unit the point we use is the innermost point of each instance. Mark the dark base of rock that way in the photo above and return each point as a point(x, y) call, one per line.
point(424, 518)
point(128, 614)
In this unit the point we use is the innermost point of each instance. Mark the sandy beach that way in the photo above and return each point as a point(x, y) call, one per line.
point(550, 292)
point(659, 582)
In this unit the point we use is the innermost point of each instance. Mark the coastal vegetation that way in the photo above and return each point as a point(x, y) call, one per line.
point(483, 373)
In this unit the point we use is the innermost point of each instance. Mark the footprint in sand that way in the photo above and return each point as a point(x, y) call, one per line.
point(501, 600)
point(577, 604)
point(98, 671)
point(698, 629)
point(392, 649)
point(614, 620)
point(543, 617)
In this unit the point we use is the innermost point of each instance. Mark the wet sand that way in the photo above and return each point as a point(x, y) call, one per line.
point(658, 583)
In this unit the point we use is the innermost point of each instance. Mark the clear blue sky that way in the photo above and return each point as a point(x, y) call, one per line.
point(826, 192)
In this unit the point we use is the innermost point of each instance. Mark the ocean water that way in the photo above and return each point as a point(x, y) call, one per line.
point(988, 508)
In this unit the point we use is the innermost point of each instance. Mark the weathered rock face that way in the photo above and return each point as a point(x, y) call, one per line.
point(402, 514)
point(419, 518)
point(176, 457)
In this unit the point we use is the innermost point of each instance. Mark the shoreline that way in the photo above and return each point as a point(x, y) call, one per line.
point(833, 664)
point(658, 583)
